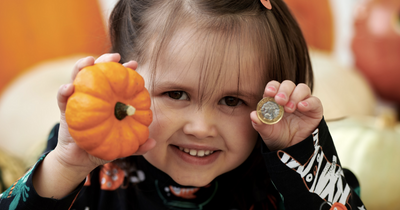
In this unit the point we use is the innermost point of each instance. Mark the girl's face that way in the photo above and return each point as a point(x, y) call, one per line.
point(198, 140)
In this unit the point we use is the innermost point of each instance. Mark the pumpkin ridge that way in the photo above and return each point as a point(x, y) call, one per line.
point(131, 143)
point(108, 101)
point(84, 138)
point(107, 147)
point(132, 130)
point(145, 117)
point(81, 84)
point(108, 82)
point(79, 115)
point(141, 131)
point(135, 84)
point(118, 67)
point(141, 101)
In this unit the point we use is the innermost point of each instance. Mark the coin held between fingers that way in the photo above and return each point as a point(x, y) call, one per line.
point(268, 111)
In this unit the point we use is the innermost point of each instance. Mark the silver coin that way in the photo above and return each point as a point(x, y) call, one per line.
point(268, 111)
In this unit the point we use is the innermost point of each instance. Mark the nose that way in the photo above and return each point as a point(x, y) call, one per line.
point(201, 124)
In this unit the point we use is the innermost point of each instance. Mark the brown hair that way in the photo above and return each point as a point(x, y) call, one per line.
point(142, 30)
point(275, 35)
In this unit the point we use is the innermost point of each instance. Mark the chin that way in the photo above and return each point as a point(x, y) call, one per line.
point(193, 183)
point(193, 180)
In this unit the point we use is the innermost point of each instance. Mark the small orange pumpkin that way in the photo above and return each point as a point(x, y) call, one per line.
point(109, 113)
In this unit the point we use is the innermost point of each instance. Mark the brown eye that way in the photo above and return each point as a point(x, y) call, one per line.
point(178, 95)
point(231, 101)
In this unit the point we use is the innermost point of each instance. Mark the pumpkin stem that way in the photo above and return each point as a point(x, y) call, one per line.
point(122, 110)
point(387, 119)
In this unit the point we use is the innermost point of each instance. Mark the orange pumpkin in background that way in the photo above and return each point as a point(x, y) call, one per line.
point(376, 46)
point(316, 22)
point(109, 112)
point(41, 30)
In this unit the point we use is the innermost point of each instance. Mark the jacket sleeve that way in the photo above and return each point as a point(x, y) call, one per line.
point(309, 174)
point(22, 194)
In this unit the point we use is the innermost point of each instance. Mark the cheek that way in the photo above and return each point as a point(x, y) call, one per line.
point(250, 139)
point(241, 140)
point(164, 124)
point(160, 130)
point(158, 127)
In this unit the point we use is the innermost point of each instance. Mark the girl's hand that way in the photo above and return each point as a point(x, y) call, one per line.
point(303, 114)
point(67, 163)
point(67, 151)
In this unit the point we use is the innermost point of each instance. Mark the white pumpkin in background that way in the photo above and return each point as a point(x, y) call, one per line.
point(28, 108)
point(342, 90)
point(370, 148)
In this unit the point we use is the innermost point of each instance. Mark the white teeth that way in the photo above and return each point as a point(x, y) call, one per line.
point(200, 153)
point(197, 153)
point(193, 152)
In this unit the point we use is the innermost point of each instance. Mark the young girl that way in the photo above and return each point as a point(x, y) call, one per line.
point(206, 64)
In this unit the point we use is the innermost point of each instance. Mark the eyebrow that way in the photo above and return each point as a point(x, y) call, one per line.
point(171, 85)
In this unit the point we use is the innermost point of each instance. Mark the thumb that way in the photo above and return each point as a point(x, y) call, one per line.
point(131, 64)
point(267, 132)
point(64, 92)
point(254, 119)
point(261, 128)
point(148, 145)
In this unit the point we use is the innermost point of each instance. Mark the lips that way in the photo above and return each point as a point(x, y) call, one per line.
point(196, 155)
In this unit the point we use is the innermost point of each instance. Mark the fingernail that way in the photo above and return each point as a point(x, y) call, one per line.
point(253, 122)
point(305, 104)
point(281, 95)
point(127, 63)
point(290, 105)
point(271, 89)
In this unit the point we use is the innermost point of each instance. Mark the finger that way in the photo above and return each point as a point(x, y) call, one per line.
point(300, 93)
point(256, 122)
point(271, 88)
point(131, 64)
point(148, 145)
point(80, 64)
point(284, 92)
point(259, 126)
point(311, 107)
point(64, 92)
point(264, 130)
point(108, 57)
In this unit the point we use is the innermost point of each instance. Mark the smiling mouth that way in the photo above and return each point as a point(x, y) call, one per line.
point(195, 152)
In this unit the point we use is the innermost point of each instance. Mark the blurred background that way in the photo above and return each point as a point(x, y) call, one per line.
point(355, 52)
